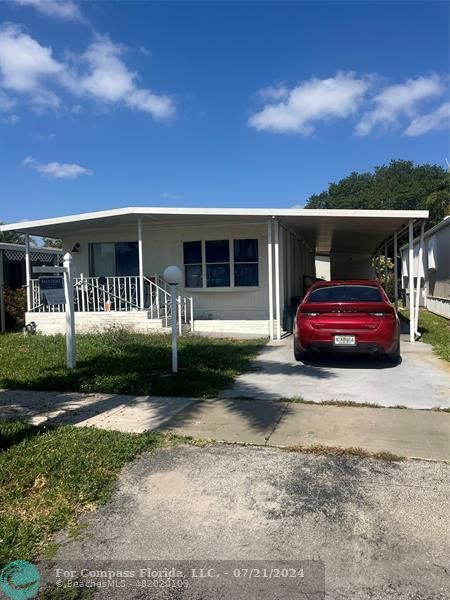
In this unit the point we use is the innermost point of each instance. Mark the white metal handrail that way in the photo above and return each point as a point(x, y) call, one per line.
point(104, 294)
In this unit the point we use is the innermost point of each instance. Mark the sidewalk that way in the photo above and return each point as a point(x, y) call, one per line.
point(411, 433)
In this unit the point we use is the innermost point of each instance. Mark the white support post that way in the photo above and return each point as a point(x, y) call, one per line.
point(83, 289)
point(270, 274)
point(411, 280)
point(385, 265)
point(418, 281)
point(395, 271)
point(173, 297)
point(70, 316)
point(277, 279)
point(289, 266)
point(180, 324)
point(28, 271)
point(2, 296)
point(141, 265)
point(191, 305)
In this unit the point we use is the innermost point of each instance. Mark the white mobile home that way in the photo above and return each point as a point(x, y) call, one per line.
point(243, 268)
point(435, 269)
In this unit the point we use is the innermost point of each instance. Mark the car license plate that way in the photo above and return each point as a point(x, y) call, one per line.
point(344, 340)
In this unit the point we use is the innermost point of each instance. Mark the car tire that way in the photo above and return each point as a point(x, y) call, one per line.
point(299, 353)
point(394, 357)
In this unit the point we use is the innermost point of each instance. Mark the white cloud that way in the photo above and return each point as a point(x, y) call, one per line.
point(28, 68)
point(110, 80)
point(7, 104)
point(10, 119)
point(145, 51)
point(273, 92)
point(66, 10)
point(311, 101)
point(167, 196)
point(401, 99)
point(56, 170)
point(25, 65)
point(434, 121)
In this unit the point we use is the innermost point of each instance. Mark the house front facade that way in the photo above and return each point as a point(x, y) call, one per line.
point(243, 269)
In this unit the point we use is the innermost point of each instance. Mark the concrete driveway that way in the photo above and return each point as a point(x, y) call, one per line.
point(421, 380)
point(378, 527)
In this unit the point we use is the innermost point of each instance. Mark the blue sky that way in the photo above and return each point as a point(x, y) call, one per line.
point(112, 104)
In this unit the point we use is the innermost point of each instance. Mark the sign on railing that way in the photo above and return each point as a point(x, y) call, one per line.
point(53, 290)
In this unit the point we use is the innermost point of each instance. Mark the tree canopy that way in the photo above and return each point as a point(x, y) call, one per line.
point(399, 185)
point(11, 237)
point(51, 243)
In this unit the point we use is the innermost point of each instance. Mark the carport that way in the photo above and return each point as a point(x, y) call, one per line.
point(354, 240)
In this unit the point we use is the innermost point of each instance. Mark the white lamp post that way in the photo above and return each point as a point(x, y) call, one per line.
point(173, 276)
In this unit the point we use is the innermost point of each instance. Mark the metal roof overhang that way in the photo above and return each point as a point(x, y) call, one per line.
point(325, 231)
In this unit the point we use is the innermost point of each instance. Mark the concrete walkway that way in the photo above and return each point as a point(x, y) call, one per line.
point(411, 433)
point(106, 411)
point(421, 380)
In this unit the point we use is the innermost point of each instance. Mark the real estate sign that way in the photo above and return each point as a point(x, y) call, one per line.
point(53, 289)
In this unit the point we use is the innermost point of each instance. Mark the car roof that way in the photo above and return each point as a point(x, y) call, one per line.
point(368, 282)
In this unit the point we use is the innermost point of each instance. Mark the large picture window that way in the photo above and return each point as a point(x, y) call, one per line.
point(221, 263)
point(113, 259)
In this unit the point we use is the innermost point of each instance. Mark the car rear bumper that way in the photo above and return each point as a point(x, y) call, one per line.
point(360, 348)
point(384, 340)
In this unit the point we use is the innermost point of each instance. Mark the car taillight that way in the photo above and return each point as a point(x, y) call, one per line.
point(388, 313)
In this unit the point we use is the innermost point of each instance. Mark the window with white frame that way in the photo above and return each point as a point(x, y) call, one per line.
point(221, 263)
point(246, 263)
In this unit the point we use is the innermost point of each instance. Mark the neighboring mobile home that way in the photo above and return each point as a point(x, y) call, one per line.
point(435, 269)
point(243, 269)
point(13, 269)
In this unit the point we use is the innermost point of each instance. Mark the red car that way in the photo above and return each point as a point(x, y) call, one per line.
point(347, 316)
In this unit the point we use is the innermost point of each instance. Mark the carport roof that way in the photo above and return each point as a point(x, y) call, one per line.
point(325, 231)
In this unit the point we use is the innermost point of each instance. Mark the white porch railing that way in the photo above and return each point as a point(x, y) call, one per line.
point(105, 294)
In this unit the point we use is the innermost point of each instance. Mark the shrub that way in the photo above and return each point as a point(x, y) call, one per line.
point(16, 306)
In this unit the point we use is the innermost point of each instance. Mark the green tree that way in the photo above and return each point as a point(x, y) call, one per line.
point(438, 203)
point(52, 243)
point(399, 185)
point(11, 237)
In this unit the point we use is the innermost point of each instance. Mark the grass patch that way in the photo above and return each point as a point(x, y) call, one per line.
point(48, 476)
point(300, 400)
point(351, 451)
point(125, 363)
point(435, 330)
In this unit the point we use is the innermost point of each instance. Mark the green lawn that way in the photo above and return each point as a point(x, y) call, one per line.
point(435, 330)
point(125, 363)
point(48, 476)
